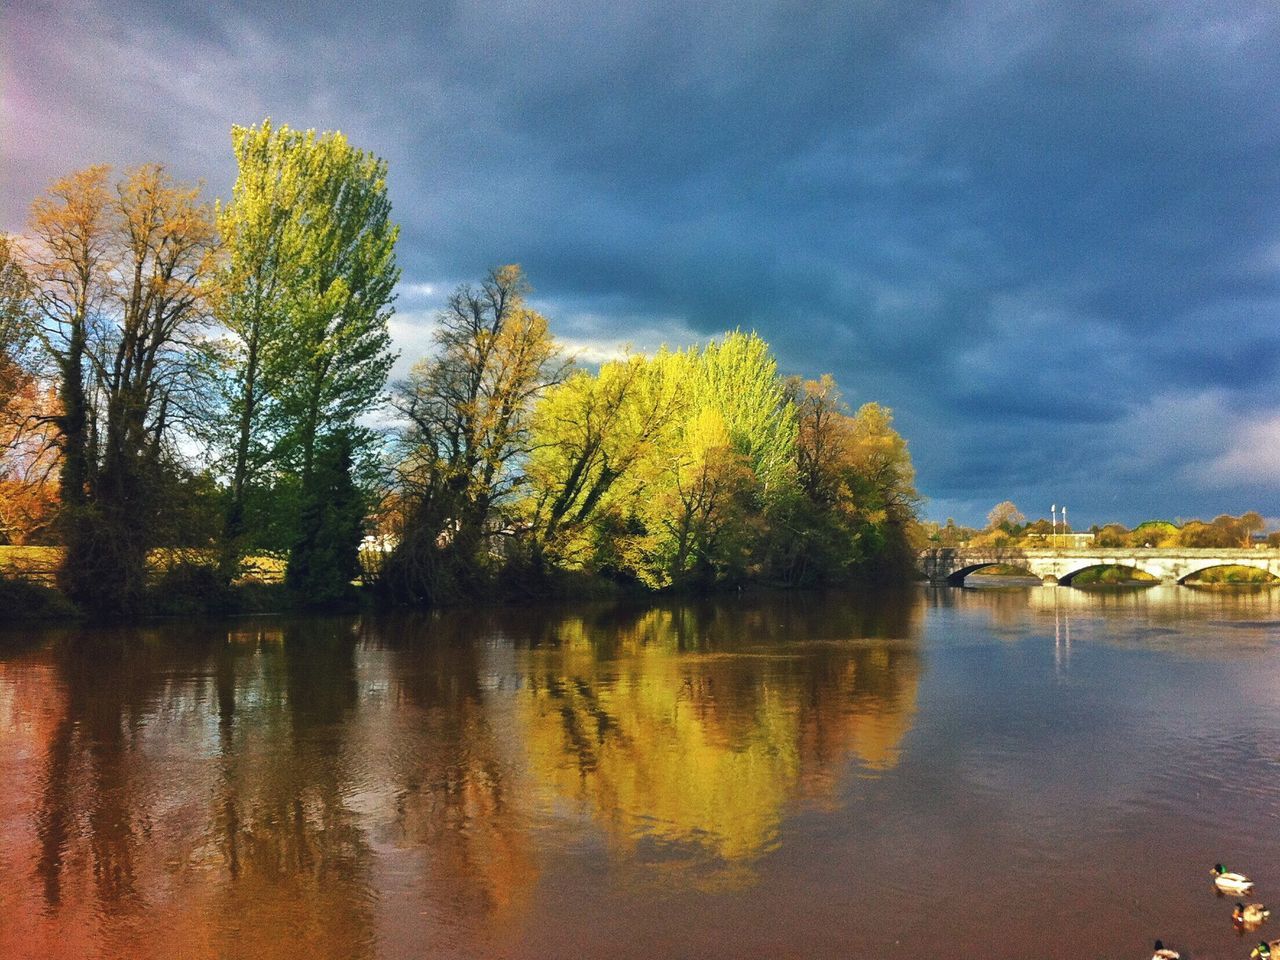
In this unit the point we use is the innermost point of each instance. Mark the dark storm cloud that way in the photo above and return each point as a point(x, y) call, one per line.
point(1047, 234)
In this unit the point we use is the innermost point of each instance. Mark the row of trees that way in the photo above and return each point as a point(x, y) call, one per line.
point(180, 373)
point(195, 352)
point(1007, 524)
point(1223, 531)
point(688, 468)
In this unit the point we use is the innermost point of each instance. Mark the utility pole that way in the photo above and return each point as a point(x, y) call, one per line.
point(1053, 511)
point(1065, 528)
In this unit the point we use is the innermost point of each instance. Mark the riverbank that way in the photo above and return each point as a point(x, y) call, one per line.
point(27, 601)
point(195, 591)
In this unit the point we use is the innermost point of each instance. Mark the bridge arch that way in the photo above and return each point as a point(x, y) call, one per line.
point(957, 579)
point(1066, 579)
point(1270, 576)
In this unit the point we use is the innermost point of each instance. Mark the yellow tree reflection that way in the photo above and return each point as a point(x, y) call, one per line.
point(674, 733)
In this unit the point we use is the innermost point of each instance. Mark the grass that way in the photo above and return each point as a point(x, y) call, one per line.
point(183, 583)
point(1004, 570)
point(40, 564)
point(37, 564)
point(1101, 576)
point(1232, 574)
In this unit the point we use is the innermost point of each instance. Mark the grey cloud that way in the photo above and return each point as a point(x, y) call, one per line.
point(1033, 229)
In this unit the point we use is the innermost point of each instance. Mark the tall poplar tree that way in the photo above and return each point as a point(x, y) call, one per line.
point(308, 291)
point(255, 232)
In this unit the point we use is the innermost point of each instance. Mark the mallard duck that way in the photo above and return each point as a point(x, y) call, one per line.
point(1164, 953)
point(1230, 882)
point(1249, 914)
point(1263, 949)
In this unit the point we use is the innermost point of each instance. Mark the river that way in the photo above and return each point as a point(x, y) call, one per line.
point(944, 772)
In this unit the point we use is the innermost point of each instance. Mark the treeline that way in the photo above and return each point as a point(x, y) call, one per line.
point(690, 468)
point(1007, 525)
point(176, 373)
point(1223, 531)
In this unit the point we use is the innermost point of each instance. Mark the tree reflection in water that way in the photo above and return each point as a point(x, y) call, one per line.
point(688, 731)
point(345, 788)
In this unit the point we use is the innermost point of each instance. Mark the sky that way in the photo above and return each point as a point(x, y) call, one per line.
point(1046, 234)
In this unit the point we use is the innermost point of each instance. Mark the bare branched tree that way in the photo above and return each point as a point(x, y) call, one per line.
point(466, 410)
point(120, 297)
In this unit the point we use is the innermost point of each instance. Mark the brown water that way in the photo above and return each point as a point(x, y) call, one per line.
point(1041, 772)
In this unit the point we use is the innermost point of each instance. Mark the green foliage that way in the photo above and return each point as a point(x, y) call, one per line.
point(307, 287)
point(738, 378)
point(260, 236)
point(702, 467)
point(326, 556)
point(1156, 533)
point(1231, 574)
point(16, 328)
point(23, 600)
point(192, 589)
point(689, 469)
point(811, 545)
point(725, 456)
point(332, 365)
point(593, 438)
point(1109, 575)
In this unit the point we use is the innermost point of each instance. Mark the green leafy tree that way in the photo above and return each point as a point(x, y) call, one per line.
point(260, 228)
point(705, 514)
point(687, 469)
point(308, 286)
point(332, 366)
point(1155, 533)
point(587, 436)
point(325, 559)
point(738, 377)
point(693, 512)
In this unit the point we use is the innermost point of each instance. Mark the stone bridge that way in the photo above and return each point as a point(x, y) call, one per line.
point(1173, 565)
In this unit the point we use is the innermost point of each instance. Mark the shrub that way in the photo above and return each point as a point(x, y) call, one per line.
point(22, 600)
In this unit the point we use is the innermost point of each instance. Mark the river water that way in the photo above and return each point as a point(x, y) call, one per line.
point(1033, 772)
